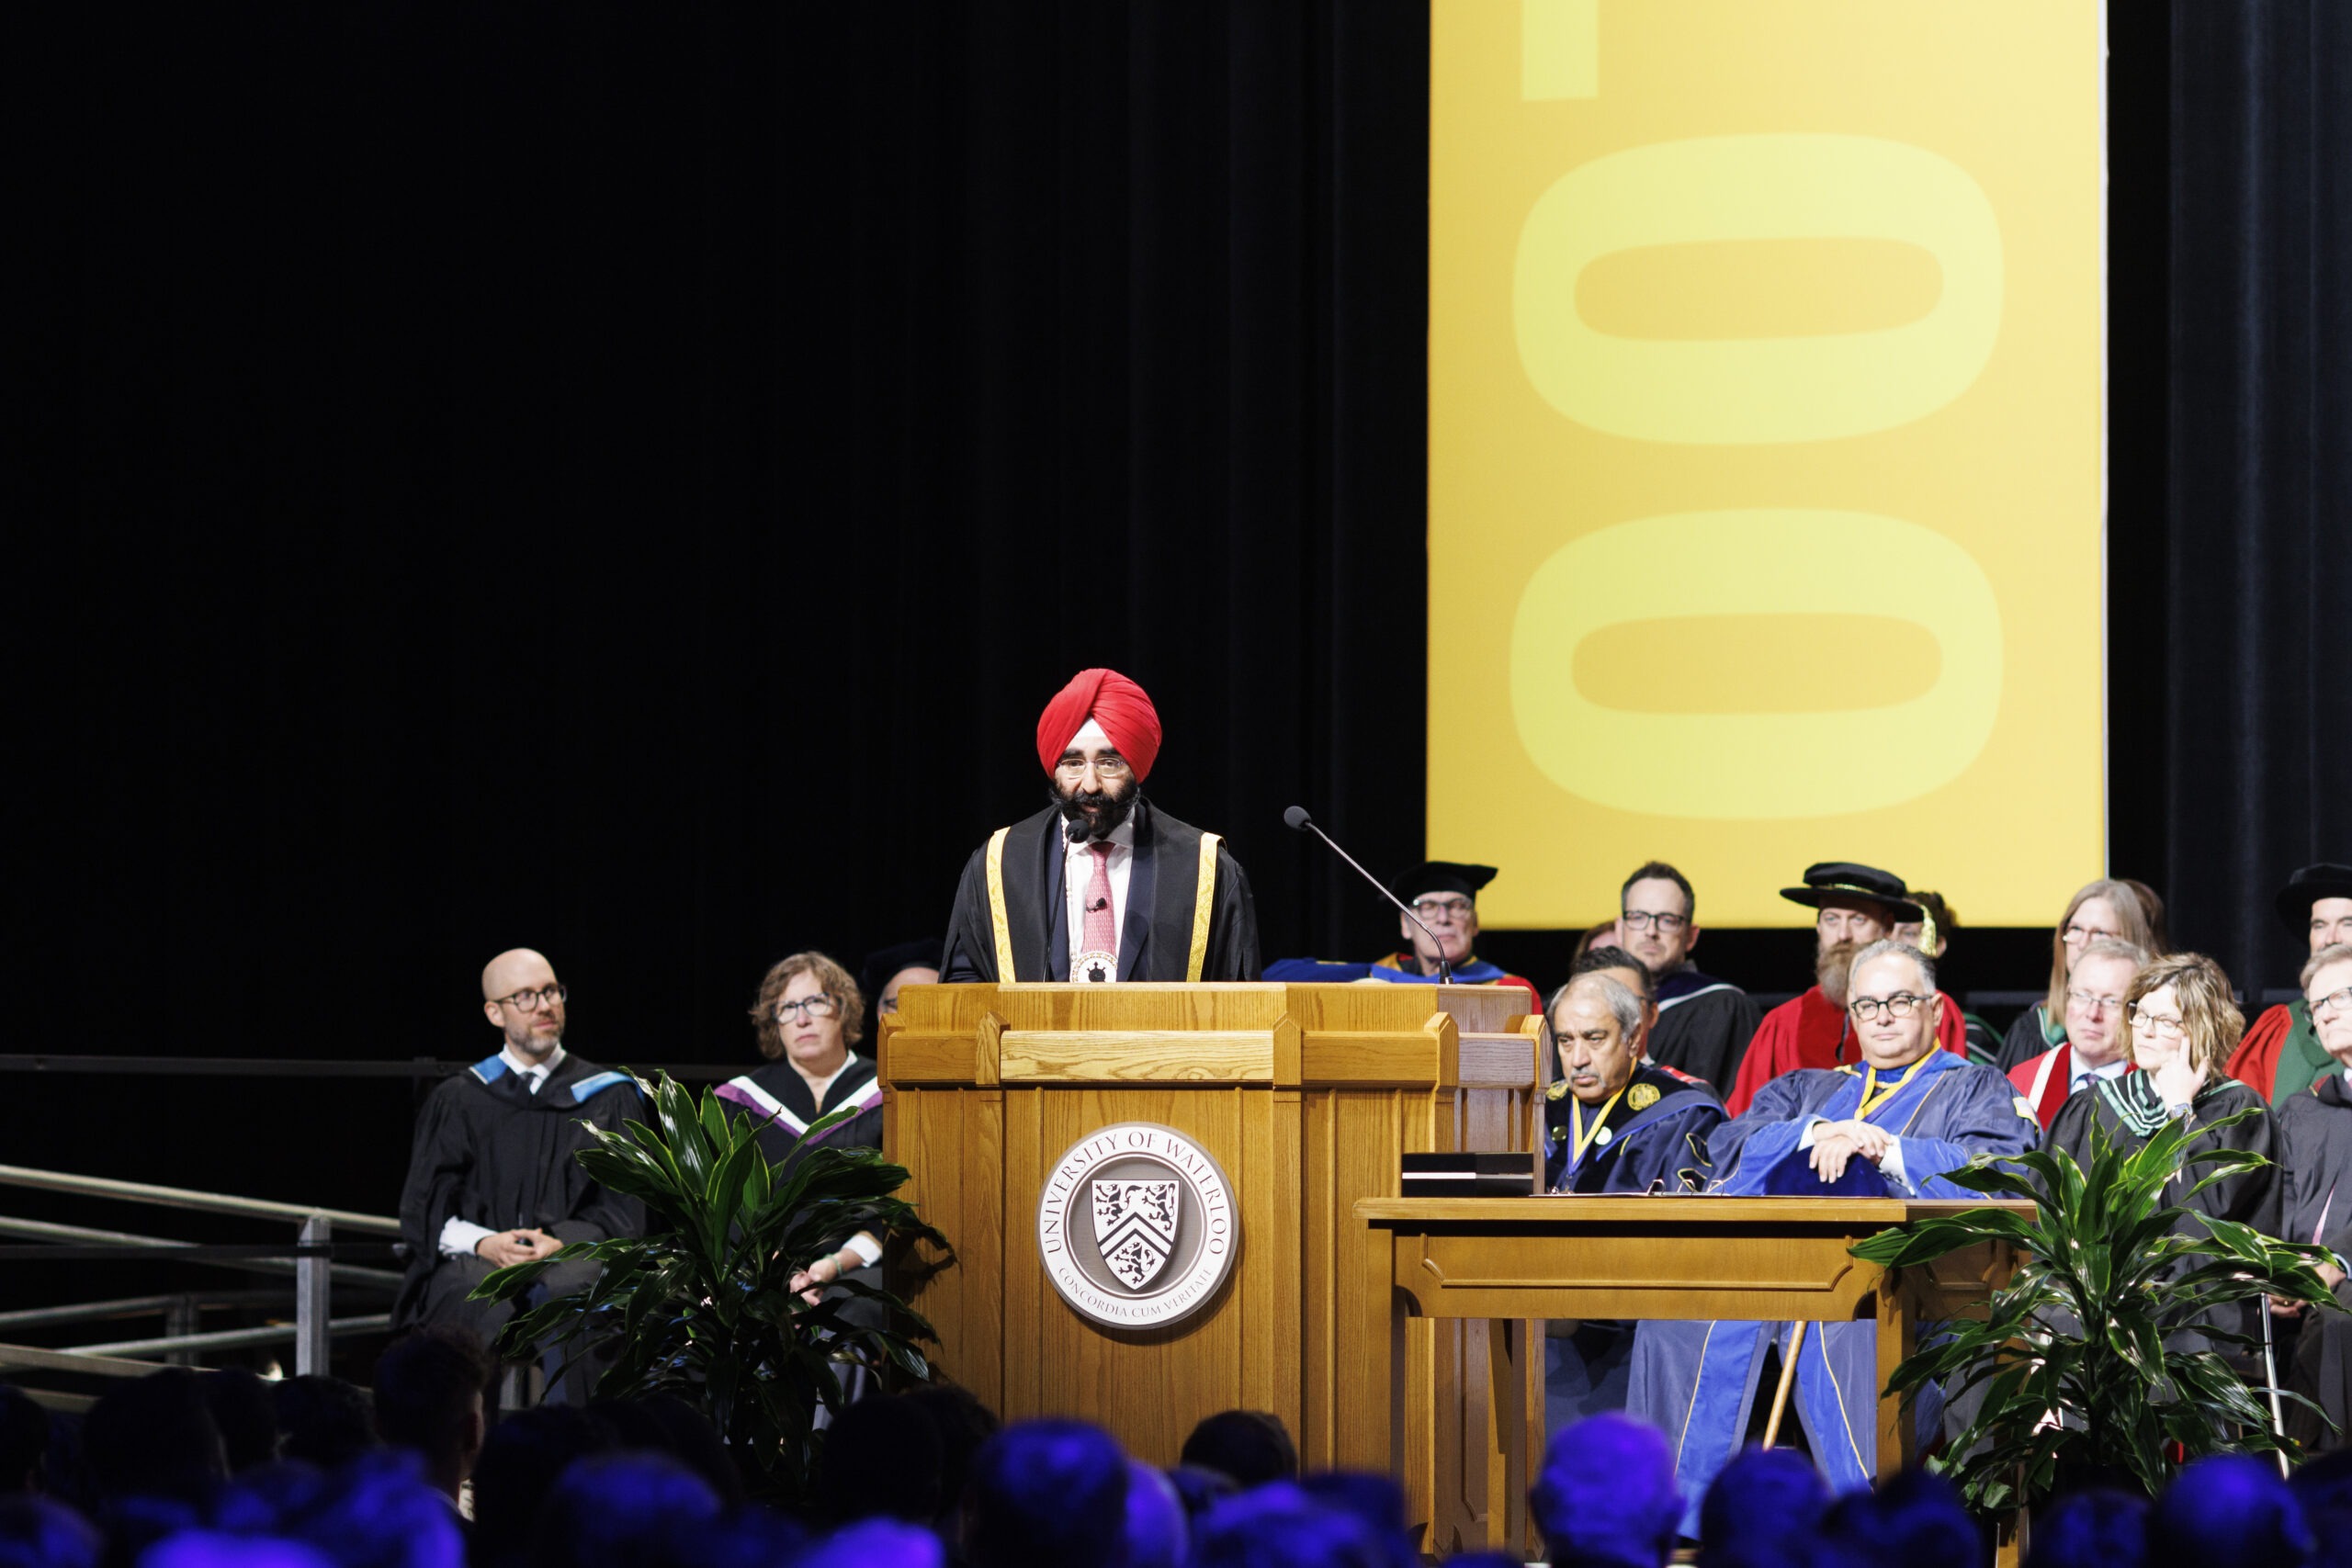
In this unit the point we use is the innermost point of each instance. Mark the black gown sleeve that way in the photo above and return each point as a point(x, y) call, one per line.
point(2070, 1130)
point(598, 1214)
point(2254, 1197)
point(2023, 1043)
point(440, 1159)
point(1708, 1035)
point(1233, 925)
point(971, 942)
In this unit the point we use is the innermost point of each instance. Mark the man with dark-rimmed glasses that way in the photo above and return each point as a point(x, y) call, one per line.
point(1896, 1122)
point(1703, 1023)
point(491, 1180)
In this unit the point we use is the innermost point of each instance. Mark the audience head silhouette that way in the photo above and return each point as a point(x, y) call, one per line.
point(2228, 1511)
point(154, 1437)
point(1049, 1494)
point(1251, 1445)
point(1607, 1495)
point(1764, 1501)
point(429, 1388)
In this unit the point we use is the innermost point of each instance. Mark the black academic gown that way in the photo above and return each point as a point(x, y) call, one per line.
point(490, 1151)
point(1156, 932)
point(2129, 1110)
point(2315, 1153)
point(2029, 1035)
point(1703, 1027)
point(1653, 1140)
point(777, 1099)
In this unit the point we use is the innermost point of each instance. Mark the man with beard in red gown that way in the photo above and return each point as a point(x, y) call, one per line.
point(1857, 904)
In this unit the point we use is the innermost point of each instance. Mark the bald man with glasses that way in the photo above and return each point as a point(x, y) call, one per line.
point(492, 1180)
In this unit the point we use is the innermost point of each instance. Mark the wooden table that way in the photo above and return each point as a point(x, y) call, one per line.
point(1517, 1262)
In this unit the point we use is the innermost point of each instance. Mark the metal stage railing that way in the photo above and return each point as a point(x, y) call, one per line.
point(310, 1261)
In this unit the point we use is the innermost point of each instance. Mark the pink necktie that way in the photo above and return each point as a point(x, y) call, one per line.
point(1100, 933)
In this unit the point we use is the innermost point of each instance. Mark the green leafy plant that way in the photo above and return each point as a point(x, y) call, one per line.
point(2099, 1354)
point(700, 1306)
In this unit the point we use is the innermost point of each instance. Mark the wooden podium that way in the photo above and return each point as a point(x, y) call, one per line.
point(1307, 1097)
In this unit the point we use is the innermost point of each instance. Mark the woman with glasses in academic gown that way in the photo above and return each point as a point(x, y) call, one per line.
point(809, 1014)
point(2179, 1027)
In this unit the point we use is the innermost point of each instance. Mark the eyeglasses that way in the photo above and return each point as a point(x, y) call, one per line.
point(2162, 1028)
point(2073, 932)
point(2093, 1005)
point(1110, 766)
point(1903, 1004)
point(1643, 919)
point(1453, 909)
point(532, 1000)
point(819, 1006)
point(2333, 1001)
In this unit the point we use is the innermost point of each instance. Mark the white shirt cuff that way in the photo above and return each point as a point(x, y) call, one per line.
point(1892, 1166)
point(868, 1250)
point(460, 1237)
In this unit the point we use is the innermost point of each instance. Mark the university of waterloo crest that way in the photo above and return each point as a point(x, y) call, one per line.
point(1136, 1227)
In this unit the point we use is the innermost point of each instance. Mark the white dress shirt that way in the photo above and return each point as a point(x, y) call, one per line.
point(1077, 869)
point(460, 1237)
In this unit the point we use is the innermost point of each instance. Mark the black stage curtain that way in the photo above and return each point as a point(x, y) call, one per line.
point(2245, 617)
point(623, 481)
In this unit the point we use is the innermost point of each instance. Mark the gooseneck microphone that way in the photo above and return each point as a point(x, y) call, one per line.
point(1299, 821)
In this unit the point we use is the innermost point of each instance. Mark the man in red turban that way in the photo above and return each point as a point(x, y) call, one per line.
point(1102, 886)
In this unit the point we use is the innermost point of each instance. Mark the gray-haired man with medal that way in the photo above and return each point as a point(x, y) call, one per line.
point(1613, 1124)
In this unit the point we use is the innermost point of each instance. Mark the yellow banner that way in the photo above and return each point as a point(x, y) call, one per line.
point(1765, 450)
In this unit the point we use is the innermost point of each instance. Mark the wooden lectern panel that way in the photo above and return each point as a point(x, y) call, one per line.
point(1308, 1097)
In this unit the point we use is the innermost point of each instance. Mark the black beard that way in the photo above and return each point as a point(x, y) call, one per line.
point(1082, 828)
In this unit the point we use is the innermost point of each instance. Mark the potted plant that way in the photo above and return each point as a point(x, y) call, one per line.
point(2097, 1356)
point(699, 1305)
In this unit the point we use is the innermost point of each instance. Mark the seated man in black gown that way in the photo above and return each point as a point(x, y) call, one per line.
point(1703, 1025)
point(492, 1176)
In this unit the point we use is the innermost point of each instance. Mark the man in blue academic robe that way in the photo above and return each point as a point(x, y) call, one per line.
point(1612, 1125)
point(1613, 1122)
point(1895, 1124)
point(1444, 896)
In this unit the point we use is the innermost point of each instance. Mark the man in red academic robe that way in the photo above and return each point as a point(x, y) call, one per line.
point(2282, 1056)
point(2094, 1047)
point(1857, 904)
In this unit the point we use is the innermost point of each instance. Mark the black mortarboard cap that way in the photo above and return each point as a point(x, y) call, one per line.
point(1441, 876)
point(1828, 881)
point(885, 962)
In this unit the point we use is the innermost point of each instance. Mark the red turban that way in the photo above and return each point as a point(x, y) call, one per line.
point(1111, 700)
